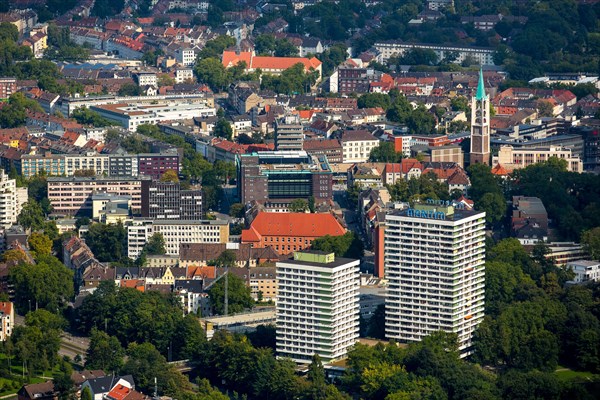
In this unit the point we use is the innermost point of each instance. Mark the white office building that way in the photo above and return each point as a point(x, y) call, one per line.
point(434, 260)
point(317, 306)
point(585, 271)
point(175, 233)
point(394, 48)
point(12, 199)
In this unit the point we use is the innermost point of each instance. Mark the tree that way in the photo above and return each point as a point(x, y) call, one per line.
point(169, 176)
point(31, 216)
point(371, 100)
point(238, 294)
point(145, 364)
point(223, 129)
point(346, 245)
point(155, 245)
point(14, 113)
point(36, 343)
point(105, 352)
point(494, 206)
point(298, 206)
point(212, 72)
point(47, 284)
point(86, 394)
point(385, 152)
point(129, 89)
point(236, 210)
point(107, 242)
point(40, 244)
point(545, 108)
point(85, 116)
point(591, 241)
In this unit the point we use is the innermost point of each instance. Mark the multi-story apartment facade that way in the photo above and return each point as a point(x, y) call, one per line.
point(7, 320)
point(175, 233)
point(12, 199)
point(166, 200)
point(357, 146)
point(155, 164)
point(8, 86)
point(434, 261)
point(317, 306)
point(73, 195)
point(123, 165)
point(289, 134)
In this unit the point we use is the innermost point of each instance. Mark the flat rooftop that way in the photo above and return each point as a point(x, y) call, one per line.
point(339, 261)
point(246, 318)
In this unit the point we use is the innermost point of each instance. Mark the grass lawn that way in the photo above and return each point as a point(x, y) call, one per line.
point(11, 386)
point(565, 374)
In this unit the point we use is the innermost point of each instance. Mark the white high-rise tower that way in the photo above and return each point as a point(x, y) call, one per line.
point(434, 260)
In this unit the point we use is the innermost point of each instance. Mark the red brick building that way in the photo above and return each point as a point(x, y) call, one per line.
point(289, 232)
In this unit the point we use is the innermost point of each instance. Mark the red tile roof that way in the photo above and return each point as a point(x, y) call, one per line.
point(119, 392)
point(6, 307)
point(231, 58)
point(292, 224)
point(499, 170)
point(206, 272)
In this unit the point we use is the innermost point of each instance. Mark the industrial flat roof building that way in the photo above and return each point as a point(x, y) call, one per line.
point(283, 175)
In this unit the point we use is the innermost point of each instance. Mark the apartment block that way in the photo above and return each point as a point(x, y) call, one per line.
point(12, 199)
point(289, 134)
point(434, 261)
point(175, 233)
point(8, 86)
point(357, 145)
point(155, 164)
point(317, 306)
point(7, 320)
point(73, 195)
point(166, 200)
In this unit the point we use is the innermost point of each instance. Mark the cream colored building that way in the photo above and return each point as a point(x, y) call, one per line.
point(175, 233)
point(12, 199)
point(511, 158)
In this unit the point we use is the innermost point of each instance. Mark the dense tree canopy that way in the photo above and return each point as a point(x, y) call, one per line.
point(46, 284)
point(346, 245)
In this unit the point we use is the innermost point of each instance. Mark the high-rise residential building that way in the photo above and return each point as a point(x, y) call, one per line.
point(166, 200)
point(289, 133)
point(317, 306)
point(12, 199)
point(480, 125)
point(434, 261)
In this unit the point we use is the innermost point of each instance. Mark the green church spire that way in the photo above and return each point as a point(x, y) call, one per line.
point(480, 88)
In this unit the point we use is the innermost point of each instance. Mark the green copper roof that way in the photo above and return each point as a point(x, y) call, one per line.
point(480, 88)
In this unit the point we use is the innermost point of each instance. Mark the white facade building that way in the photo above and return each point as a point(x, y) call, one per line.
point(175, 233)
point(481, 55)
point(183, 74)
point(130, 116)
point(434, 260)
point(585, 270)
point(11, 200)
point(357, 146)
point(317, 306)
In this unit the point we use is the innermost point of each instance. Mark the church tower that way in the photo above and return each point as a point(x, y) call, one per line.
point(480, 125)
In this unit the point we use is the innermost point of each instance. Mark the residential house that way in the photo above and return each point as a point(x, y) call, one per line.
point(7, 320)
point(100, 387)
point(39, 391)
